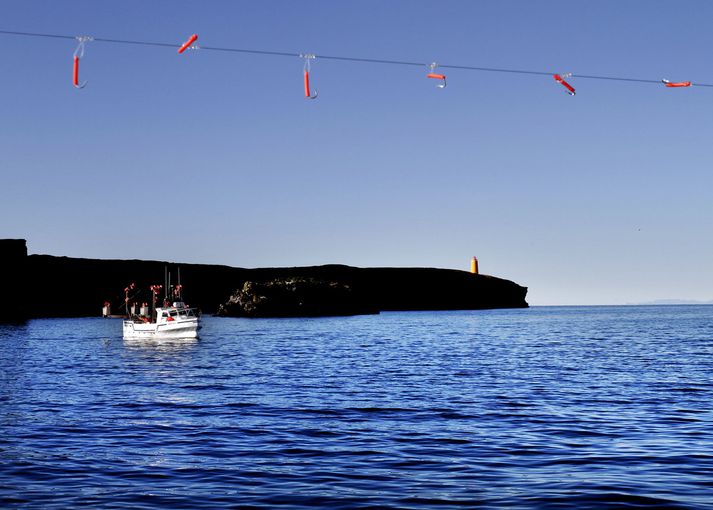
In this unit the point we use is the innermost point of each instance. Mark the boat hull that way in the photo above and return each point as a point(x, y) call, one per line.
point(175, 329)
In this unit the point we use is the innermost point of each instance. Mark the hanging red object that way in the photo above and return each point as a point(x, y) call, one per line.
point(79, 54)
point(559, 79)
point(188, 43)
point(305, 72)
point(75, 80)
point(437, 76)
point(307, 91)
point(676, 84)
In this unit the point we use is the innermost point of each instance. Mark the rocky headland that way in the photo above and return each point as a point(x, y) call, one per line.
point(296, 296)
point(48, 286)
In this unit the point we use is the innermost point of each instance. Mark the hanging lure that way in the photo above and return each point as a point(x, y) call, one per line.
point(188, 43)
point(436, 76)
point(306, 69)
point(676, 84)
point(78, 55)
point(560, 78)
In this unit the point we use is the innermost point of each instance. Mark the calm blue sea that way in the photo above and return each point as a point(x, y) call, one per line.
point(548, 407)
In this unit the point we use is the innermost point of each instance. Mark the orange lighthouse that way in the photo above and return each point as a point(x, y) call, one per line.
point(474, 265)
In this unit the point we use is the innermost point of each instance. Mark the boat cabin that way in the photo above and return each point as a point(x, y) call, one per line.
point(174, 313)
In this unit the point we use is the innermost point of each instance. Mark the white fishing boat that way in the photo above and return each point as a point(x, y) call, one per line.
point(175, 321)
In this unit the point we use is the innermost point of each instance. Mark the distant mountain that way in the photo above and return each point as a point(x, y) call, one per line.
point(676, 302)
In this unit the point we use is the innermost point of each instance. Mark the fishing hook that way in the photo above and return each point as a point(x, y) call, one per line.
point(560, 78)
point(436, 76)
point(78, 55)
point(306, 70)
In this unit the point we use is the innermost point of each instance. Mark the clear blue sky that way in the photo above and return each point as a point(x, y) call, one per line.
point(213, 157)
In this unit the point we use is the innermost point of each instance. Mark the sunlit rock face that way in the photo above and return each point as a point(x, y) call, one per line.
point(295, 297)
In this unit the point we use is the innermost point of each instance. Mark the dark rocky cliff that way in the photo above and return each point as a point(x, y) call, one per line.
point(48, 286)
point(13, 272)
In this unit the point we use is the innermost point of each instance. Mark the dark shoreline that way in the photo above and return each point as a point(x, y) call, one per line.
point(37, 286)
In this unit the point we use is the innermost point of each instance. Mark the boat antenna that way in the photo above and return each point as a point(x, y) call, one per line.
point(165, 282)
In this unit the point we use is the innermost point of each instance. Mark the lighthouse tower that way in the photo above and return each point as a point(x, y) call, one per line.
point(474, 265)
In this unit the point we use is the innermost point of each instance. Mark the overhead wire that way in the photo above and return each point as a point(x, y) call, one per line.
point(348, 59)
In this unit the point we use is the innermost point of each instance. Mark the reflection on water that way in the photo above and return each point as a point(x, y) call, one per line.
point(167, 344)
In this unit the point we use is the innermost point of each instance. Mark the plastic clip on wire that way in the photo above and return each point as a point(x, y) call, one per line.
point(676, 84)
point(306, 70)
point(435, 76)
point(188, 43)
point(78, 55)
point(560, 78)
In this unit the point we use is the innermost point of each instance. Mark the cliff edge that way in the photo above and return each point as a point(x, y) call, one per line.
point(49, 286)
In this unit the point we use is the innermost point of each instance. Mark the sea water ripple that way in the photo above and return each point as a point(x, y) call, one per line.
point(571, 407)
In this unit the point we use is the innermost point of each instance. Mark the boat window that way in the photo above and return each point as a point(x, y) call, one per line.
point(164, 314)
point(173, 313)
